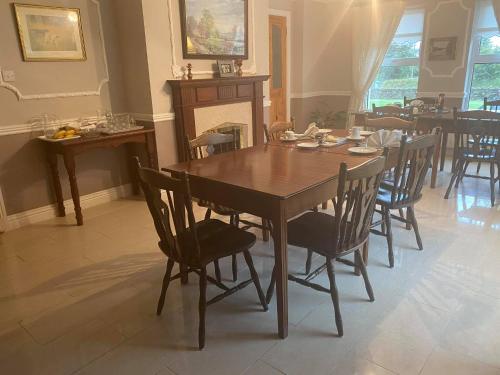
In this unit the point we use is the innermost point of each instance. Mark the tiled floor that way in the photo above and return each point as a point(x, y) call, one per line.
point(82, 300)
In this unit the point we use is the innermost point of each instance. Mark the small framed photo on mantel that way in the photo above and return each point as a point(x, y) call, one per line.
point(226, 68)
point(50, 33)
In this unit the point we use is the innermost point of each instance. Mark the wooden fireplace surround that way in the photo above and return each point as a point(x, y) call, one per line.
point(189, 94)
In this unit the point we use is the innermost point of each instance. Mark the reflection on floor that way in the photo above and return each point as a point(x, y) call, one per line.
point(82, 300)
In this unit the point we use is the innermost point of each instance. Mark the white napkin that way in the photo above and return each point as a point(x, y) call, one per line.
point(416, 103)
point(385, 138)
point(311, 131)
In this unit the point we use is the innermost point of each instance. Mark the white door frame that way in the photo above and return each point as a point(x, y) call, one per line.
point(288, 15)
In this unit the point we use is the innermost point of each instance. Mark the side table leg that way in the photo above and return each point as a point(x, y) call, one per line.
point(56, 182)
point(132, 169)
point(69, 162)
point(151, 150)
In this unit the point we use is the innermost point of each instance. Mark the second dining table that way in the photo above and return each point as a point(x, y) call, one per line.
point(276, 181)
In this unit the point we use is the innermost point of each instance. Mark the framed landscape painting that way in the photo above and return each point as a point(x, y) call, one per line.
point(214, 29)
point(50, 33)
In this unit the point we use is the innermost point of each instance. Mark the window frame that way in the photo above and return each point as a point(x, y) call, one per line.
point(404, 61)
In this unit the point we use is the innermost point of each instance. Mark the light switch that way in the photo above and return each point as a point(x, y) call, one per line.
point(9, 75)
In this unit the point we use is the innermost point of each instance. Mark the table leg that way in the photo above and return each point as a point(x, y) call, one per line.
point(435, 162)
point(69, 162)
point(281, 267)
point(56, 182)
point(151, 150)
point(132, 169)
point(444, 142)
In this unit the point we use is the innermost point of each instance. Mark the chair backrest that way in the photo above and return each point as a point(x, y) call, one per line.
point(390, 111)
point(492, 105)
point(209, 144)
point(477, 132)
point(278, 129)
point(157, 186)
point(414, 159)
point(355, 203)
point(425, 100)
point(389, 123)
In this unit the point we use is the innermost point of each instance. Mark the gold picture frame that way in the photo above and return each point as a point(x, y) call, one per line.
point(49, 33)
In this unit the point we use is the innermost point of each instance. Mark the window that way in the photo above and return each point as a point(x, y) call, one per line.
point(398, 75)
point(483, 78)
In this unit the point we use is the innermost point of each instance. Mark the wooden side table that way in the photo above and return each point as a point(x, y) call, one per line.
point(68, 149)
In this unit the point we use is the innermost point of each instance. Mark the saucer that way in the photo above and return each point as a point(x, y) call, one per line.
point(366, 133)
point(283, 139)
point(362, 150)
point(355, 139)
point(308, 145)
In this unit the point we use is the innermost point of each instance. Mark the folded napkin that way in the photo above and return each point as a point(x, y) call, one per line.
point(385, 138)
point(416, 103)
point(311, 131)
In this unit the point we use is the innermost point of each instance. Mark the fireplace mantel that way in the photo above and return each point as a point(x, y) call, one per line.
point(189, 94)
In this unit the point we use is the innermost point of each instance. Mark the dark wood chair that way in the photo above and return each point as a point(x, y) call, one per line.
point(405, 190)
point(334, 237)
point(477, 140)
point(390, 111)
point(426, 100)
point(211, 144)
point(194, 244)
point(278, 129)
point(491, 105)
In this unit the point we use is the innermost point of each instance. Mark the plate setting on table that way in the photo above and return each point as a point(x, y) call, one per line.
point(308, 145)
point(362, 150)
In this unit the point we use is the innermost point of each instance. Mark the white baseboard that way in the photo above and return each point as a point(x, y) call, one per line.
point(48, 212)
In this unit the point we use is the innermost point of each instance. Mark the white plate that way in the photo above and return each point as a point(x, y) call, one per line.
point(356, 139)
point(283, 139)
point(362, 150)
point(366, 133)
point(44, 138)
point(307, 145)
point(329, 144)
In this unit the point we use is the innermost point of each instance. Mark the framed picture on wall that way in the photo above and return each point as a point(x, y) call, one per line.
point(442, 49)
point(50, 33)
point(214, 29)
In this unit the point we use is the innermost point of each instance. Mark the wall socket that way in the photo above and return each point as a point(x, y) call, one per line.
point(9, 75)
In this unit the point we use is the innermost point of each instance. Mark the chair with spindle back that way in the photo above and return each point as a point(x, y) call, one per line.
point(390, 123)
point(477, 140)
point(210, 144)
point(405, 190)
point(194, 245)
point(278, 129)
point(424, 100)
point(390, 111)
point(491, 105)
point(335, 237)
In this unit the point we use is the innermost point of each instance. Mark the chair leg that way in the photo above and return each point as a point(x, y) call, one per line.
point(478, 167)
point(402, 215)
point(364, 273)
point(492, 183)
point(218, 276)
point(335, 296)
point(454, 176)
point(309, 261)
point(202, 306)
point(255, 278)
point(265, 230)
point(411, 215)
point(166, 282)
point(270, 288)
point(208, 214)
point(388, 228)
point(234, 264)
point(462, 174)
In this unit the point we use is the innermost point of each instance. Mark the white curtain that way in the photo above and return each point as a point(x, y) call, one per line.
point(374, 26)
point(496, 7)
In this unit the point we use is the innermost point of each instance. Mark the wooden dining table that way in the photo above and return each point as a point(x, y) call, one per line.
point(276, 181)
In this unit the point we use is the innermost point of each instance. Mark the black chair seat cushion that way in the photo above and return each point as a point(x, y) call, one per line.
point(313, 230)
point(385, 192)
point(217, 208)
point(217, 240)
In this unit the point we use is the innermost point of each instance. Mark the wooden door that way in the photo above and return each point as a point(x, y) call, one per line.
point(277, 68)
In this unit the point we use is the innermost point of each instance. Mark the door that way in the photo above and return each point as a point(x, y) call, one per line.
point(277, 68)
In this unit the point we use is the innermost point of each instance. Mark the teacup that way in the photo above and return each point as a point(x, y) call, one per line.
point(289, 134)
point(356, 132)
